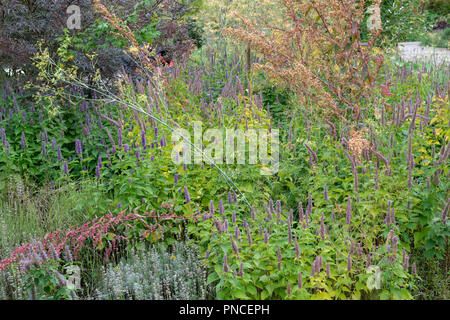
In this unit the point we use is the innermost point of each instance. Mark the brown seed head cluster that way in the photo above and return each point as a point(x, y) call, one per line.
point(357, 143)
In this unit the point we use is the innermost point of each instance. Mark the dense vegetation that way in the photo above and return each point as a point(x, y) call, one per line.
point(93, 206)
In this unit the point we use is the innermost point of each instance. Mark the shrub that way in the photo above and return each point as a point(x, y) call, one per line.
point(440, 7)
point(157, 273)
point(38, 137)
point(319, 54)
point(402, 21)
point(162, 22)
point(310, 255)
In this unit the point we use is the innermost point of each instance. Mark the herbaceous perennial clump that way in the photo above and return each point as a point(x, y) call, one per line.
point(157, 274)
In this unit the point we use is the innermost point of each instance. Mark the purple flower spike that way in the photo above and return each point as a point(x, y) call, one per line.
point(300, 211)
point(16, 106)
point(176, 178)
point(297, 248)
point(23, 142)
point(126, 148)
point(97, 172)
point(44, 151)
point(234, 246)
point(100, 163)
point(211, 207)
point(58, 151)
point(65, 168)
point(237, 233)
point(221, 208)
point(143, 140)
point(279, 257)
point(309, 207)
point(186, 194)
point(225, 263)
point(241, 270)
point(229, 197)
point(249, 237)
point(348, 217)
point(78, 148)
point(46, 135)
point(156, 132)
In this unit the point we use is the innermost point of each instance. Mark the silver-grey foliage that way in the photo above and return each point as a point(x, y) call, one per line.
point(156, 274)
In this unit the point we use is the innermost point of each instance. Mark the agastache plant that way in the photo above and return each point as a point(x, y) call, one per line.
point(225, 263)
point(23, 142)
point(221, 208)
point(348, 216)
point(211, 207)
point(186, 194)
point(78, 148)
point(234, 246)
point(300, 212)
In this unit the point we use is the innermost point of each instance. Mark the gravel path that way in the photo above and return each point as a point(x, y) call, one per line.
point(413, 51)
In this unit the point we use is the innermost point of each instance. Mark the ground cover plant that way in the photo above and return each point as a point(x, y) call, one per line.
point(96, 202)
